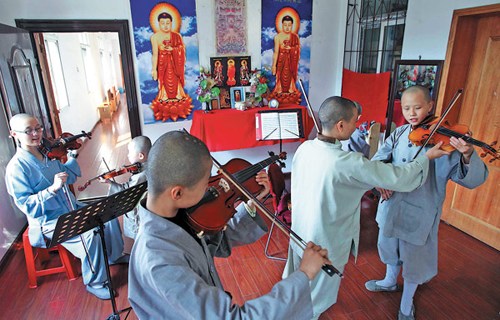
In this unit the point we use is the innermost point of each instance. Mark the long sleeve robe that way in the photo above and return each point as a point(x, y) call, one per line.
point(27, 180)
point(413, 217)
point(172, 276)
point(131, 218)
point(327, 186)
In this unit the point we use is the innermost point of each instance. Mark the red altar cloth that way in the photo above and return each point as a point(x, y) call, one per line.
point(231, 129)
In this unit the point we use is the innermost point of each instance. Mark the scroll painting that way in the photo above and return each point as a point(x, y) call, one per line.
point(286, 46)
point(166, 43)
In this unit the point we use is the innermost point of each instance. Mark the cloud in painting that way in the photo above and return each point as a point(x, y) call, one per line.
point(305, 28)
point(142, 34)
point(268, 34)
point(187, 25)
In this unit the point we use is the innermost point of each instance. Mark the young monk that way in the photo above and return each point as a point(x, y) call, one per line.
point(327, 186)
point(409, 222)
point(172, 273)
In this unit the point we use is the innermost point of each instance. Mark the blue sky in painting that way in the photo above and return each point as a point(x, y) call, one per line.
point(142, 35)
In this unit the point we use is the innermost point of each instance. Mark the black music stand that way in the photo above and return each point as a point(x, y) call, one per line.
point(81, 220)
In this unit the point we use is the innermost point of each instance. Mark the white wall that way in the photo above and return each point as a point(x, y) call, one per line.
point(427, 30)
point(426, 35)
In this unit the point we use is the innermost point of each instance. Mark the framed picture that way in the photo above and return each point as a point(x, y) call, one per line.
point(407, 73)
point(231, 71)
point(215, 104)
point(248, 93)
point(224, 98)
point(237, 95)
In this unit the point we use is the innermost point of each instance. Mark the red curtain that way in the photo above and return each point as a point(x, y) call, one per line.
point(371, 90)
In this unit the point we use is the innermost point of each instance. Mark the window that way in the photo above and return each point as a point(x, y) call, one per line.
point(56, 73)
point(374, 34)
point(88, 67)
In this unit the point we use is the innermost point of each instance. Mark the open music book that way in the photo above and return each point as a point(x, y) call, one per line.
point(279, 124)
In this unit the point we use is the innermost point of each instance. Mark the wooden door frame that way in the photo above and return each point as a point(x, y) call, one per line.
point(461, 31)
point(127, 62)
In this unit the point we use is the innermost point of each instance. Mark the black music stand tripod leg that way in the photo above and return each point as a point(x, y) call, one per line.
point(93, 216)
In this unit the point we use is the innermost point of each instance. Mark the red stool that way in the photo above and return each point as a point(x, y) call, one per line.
point(42, 254)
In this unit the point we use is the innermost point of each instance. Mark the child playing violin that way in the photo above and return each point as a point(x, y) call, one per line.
point(138, 150)
point(409, 222)
point(172, 273)
point(38, 187)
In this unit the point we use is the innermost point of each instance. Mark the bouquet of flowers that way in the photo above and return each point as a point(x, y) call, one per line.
point(258, 84)
point(206, 90)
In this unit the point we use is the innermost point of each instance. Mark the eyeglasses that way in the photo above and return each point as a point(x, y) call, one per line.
point(30, 131)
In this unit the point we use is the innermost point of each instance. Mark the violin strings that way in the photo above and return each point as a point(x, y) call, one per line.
point(452, 133)
point(248, 172)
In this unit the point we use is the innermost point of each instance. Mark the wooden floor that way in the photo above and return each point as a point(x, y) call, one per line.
point(465, 288)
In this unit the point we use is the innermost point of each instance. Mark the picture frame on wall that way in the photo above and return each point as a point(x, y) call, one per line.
point(233, 71)
point(237, 95)
point(407, 73)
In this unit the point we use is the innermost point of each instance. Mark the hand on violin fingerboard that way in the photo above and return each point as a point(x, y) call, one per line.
point(263, 179)
point(466, 149)
point(384, 193)
point(103, 180)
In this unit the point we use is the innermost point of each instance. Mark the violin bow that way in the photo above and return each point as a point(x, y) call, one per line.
point(443, 116)
point(72, 206)
point(316, 125)
point(107, 167)
point(328, 268)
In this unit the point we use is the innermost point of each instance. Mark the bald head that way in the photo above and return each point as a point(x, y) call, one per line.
point(141, 144)
point(19, 121)
point(334, 109)
point(176, 159)
point(419, 89)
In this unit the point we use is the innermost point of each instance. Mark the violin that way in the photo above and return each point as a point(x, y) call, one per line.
point(217, 206)
point(328, 268)
point(444, 132)
point(58, 148)
point(133, 168)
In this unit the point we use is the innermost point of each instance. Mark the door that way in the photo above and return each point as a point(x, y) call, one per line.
point(19, 92)
point(473, 64)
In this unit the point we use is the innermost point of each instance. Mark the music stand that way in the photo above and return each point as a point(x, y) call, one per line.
point(81, 220)
point(279, 125)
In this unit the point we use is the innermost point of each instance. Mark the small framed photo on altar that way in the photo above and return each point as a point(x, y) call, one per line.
point(215, 104)
point(237, 95)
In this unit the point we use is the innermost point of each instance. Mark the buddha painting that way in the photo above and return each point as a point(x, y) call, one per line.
point(168, 66)
point(286, 57)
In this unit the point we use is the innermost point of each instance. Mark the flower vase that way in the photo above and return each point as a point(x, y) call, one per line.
point(204, 107)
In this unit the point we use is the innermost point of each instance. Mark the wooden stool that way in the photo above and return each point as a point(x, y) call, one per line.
point(42, 254)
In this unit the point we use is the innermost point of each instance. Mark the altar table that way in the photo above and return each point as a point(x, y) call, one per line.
point(231, 129)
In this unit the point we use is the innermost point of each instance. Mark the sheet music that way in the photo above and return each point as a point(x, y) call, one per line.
point(278, 125)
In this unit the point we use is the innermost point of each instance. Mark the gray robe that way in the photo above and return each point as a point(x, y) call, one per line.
point(409, 221)
point(172, 276)
point(131, 218)
point(327, 186)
